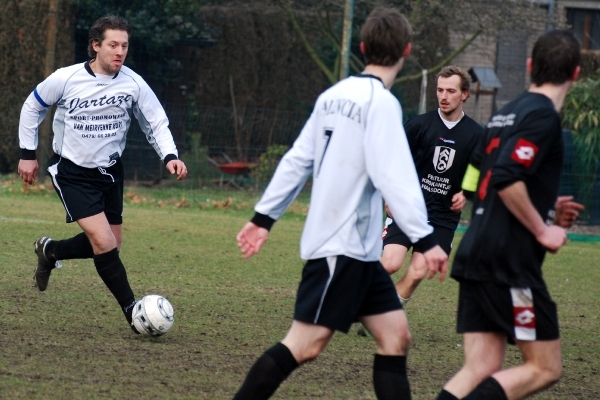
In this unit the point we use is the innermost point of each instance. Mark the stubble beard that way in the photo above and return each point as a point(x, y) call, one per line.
point(109, 69)
point(448, 112)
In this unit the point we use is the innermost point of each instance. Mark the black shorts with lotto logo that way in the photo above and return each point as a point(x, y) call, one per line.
point(88, 191)
point(392, 234)
point(335, 291)
point(527, 314)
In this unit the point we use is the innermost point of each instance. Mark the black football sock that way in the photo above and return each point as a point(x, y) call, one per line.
point(389, 377)
point(267, 373)
point(111, 270)
point(490, 389)
point(446, 395)
point(78, 246)
point(128, 311)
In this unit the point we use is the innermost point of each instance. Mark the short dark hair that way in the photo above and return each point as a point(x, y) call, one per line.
point(555, 56)
point(385, 34)
point(450, 70)
point(99, 28)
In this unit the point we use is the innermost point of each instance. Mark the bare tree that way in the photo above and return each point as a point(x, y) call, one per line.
point(433, 22)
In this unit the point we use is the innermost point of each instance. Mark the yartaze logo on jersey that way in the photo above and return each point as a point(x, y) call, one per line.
point(443, 158)
point(524, 152)
point(102, 101)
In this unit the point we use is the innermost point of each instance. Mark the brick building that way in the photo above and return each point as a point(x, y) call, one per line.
point(507, 53)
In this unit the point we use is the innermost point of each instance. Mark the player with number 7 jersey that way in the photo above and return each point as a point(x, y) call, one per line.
point(347, 143)
point(356, 156)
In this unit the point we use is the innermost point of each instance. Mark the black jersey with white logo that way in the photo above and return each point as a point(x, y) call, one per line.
point(441, 156)
point(522, 142)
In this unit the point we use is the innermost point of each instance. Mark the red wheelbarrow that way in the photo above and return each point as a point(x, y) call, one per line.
point(236, 169)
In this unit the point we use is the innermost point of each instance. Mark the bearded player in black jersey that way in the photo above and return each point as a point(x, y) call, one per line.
point(441, 143)
point(502, 295)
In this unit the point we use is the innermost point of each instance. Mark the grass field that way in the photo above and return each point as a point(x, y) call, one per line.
point(72, 342)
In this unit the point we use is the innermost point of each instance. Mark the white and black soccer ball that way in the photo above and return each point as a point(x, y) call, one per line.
point(153, 315)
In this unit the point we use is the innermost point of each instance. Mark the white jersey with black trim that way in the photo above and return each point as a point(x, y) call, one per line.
point(93, 115)
point(356, 149)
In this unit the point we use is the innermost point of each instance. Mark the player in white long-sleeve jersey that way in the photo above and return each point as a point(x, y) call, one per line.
point(94, 101)
point(354, 146)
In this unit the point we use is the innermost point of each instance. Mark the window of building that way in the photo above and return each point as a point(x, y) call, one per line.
point(586, 26)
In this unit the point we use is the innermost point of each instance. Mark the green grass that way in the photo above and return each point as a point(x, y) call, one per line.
point(72, 340)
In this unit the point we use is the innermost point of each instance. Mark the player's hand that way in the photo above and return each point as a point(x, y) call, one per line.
point(177, 167)
point(251, 238)
point(553, 237)
point(458, 202)
point(566, 211)
point(437, 261)
point(28, 170)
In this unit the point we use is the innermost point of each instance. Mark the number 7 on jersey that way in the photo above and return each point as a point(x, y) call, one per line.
point(328, 133)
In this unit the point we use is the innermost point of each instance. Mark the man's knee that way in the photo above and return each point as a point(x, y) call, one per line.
point(405, 339)
point(394, 343)
point(484, 368)
point(418, 269)
point(550, 374)
point(390, 265)
point(481, 372)
point(306, 354)
point(544, 361)
point(392, 257)
point(306, 341)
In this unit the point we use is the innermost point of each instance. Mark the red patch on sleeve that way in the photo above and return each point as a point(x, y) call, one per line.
point(495, 142)
point(484, 185)
point(524, 152)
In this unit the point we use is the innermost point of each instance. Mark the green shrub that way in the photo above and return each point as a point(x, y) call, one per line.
point(581, 114)
point(590, 63)
point(264, 169)
point(200, 172)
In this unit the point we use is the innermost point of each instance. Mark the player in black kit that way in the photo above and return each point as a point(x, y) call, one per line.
point(502, 294)
point(441, 142)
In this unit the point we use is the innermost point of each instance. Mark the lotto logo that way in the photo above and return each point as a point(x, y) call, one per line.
point(524, 152)
point(523, 313)
point(524, 318)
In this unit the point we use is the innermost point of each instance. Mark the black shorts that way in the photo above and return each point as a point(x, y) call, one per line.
point(392, 234)
point(88, 191)
point(522, 313)
point(335, 291)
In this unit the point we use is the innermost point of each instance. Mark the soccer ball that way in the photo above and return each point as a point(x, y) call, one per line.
point(153, 315)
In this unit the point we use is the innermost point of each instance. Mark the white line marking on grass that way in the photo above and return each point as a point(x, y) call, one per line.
point(27, 220)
